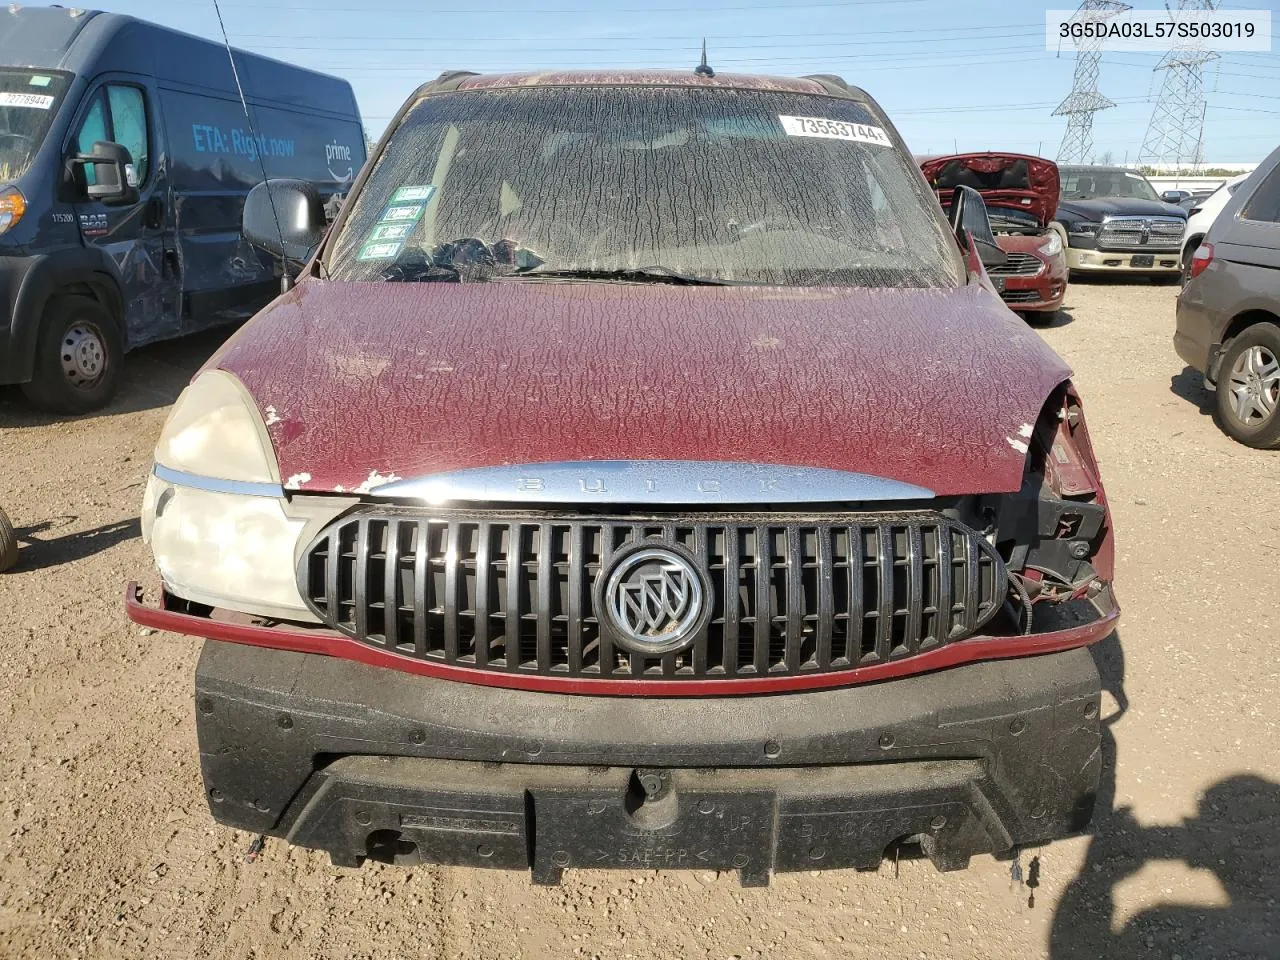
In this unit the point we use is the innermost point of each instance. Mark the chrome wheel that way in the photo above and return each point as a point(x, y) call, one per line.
point(1255, 385)
point(83, 355)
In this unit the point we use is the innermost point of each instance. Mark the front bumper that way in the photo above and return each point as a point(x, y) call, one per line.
point(1042, 293)
point(365, 762)
point(17, 331)
point(1200, 324)
point(1110, 261)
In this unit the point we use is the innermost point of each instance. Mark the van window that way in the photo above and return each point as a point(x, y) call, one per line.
point(93, 128)
point(129, 124)
point(1264, 205)
point(117, 114)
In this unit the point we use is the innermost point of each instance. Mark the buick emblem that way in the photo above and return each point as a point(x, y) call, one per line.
point(654, 600)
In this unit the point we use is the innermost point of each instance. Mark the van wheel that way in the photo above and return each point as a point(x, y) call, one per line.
point(1248, 395)
point(8, 544)
point(78, 356)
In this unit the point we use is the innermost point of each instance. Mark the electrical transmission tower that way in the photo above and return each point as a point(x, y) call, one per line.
point(1175, 134)
point(1084, 100)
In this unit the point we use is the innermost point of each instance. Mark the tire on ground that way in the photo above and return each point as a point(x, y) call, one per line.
point(8, 543)
point(1265, 433)
point(59, 381)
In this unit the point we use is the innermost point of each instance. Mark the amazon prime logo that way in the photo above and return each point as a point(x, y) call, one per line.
point(654, 600)
point(339, 153)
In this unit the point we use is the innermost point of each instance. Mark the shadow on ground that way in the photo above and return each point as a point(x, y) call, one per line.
point(1235, 834)
point(153, 377)
point(36, 552)
point(1049, 321)
point(1119, 279)
point(1189, 386)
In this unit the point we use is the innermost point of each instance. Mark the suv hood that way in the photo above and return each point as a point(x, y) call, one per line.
point(1119, 207)
point(1013, 180)
point(363, 383)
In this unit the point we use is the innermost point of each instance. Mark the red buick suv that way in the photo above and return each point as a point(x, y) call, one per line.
point(642, 472)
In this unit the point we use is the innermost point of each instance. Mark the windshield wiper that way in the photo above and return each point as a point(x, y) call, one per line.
point(654, 274)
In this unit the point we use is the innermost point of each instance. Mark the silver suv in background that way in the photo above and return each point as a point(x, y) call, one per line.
point(1229, 310)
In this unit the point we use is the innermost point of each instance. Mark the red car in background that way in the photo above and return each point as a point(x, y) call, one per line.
point(1022, 194)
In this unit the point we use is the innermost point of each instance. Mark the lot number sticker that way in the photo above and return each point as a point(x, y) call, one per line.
point(834, 130)
point(36, 101)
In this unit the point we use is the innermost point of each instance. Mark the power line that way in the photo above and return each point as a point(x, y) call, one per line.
point(627, 38)
point(452, 46)
point(578, 11)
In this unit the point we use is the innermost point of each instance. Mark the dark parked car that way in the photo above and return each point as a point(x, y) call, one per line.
point(642, 473)
point(1114, 221)
point(1229, 309)
point(1021, 193)
point(125, 158)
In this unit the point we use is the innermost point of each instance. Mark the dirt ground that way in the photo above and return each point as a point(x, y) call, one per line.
point(107, 850)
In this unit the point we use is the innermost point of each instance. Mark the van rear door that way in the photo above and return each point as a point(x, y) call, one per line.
point(120, 109)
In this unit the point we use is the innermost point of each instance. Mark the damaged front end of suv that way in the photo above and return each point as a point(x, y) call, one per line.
point(764, 538)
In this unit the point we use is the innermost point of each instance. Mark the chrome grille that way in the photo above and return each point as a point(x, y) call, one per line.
point(1017, 265)
point(1145, 233)
point(515, 593)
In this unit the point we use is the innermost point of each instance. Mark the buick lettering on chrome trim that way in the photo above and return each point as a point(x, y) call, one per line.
point(590, 536)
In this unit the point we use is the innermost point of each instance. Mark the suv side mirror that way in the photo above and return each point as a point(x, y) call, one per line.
point(969, 220)
point(114, 181)
point(286, 219)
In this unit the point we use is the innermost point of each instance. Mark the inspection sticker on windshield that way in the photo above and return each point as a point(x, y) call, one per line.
point(380, 251)
point(384, 232)
point(37, 101)
point(420, 194)
point(834, 130)
point(401, 213)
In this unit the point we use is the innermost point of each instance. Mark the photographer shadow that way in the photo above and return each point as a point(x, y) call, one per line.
point(1235, 834)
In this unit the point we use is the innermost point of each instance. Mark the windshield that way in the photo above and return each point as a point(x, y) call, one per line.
point(618, 182)
point(28, 101)
point(1091, 183)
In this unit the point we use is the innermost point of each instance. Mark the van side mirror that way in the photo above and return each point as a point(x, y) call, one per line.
point(114, 181)
point(1171, 196)
point(968, 218)
point(286, 219)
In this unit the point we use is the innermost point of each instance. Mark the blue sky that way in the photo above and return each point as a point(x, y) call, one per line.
point(945, 82)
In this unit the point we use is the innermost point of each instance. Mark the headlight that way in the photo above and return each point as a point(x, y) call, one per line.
point(1051, 247)
point(1083, 228)
point(214, 513)
point(12, 206)
point(215, 431)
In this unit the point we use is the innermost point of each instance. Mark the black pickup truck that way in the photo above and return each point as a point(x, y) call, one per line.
point(1113, 220)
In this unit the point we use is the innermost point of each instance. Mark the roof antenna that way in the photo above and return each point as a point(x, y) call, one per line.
point(704, 69)
point(286, 281)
